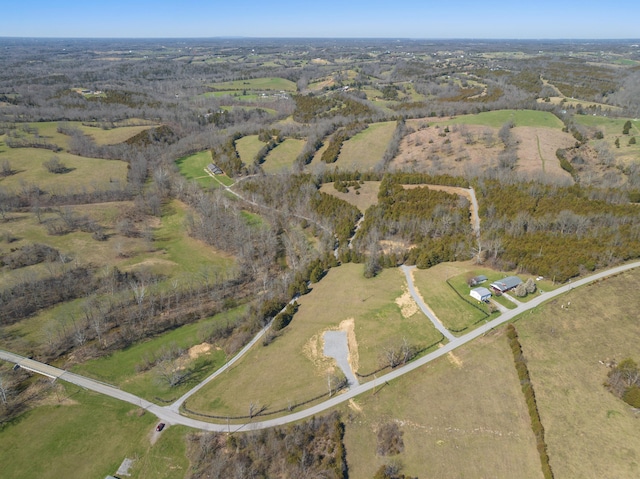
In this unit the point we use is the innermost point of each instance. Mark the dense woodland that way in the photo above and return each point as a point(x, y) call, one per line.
point(282, 232)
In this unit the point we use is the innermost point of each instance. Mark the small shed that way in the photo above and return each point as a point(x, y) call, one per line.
point(478, 280)
point(481, 294)
point(214, 169)
point(506, 284)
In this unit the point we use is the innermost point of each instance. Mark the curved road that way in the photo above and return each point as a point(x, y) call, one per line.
point(170, 414)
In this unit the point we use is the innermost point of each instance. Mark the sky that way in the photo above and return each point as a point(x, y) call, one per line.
point(460, 19)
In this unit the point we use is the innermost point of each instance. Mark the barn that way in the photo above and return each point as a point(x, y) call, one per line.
point(505, 284)
point(481, 294)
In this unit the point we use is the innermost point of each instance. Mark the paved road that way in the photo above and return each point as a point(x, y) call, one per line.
point(425, 309)
point(169, 415)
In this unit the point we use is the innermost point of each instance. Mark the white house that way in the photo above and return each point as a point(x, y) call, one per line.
point(481, 294)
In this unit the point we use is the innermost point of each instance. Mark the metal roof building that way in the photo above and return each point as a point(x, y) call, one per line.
point(505, 284)
point(481, 294)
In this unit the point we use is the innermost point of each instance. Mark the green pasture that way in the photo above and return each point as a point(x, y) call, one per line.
point(450, 308)
point(192, 168)
point(278, 84)
point(612, 130)
point(465, 408)
point(47, 131)
point(248, 147)
point(589, 432)
point(283, 156)
point(610, 126)
point(87, 435)
point(372, 93)
point(293, 368)
point(89, 173)
point(119, 368)
point(178, 253)
point(496, 119)
point(366, 149)
point(167, 458)
point(113, 136)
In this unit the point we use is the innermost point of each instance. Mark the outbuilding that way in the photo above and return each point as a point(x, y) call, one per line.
point(505, 284)
point(477, 280)
point(481, 294)
point(214, 169)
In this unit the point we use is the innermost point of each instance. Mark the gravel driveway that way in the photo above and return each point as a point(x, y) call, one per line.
point(336, 346)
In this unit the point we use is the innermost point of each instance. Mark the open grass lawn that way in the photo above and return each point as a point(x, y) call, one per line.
point(113, 136)
point(283, 156)
point(361, 198)
point(608, 125)
point(257, 84)
point(453, 311)
point(192, 168)
point(612, 129)
point(119, 368)
point(461, 416)
point(232, 93)
point(365, 150)
point(292, 368)
point(47, 131)
point(589, 432)
point(167, 458)
point(248, 147)
point(89, 173)
point(87, 435)
point(186, 254)
point(498, 118)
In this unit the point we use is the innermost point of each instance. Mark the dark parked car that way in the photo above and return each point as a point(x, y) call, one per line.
point(160, 427)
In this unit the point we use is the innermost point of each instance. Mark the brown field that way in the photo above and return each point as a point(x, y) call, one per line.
point(113, 136)
point(461, 416)
point(537, 151)
point(282, 157)
point(562, 100)
point(470, 149)
point(362, 198)
point(365, 149)
point(589, 432)
point(89, 173)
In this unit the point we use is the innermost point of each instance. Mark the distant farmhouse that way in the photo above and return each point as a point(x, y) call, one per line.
point(481, 294)
point(214, 170)
point(506, 284)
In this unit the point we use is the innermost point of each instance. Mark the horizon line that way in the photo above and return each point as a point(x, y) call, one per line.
point(242, 37)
